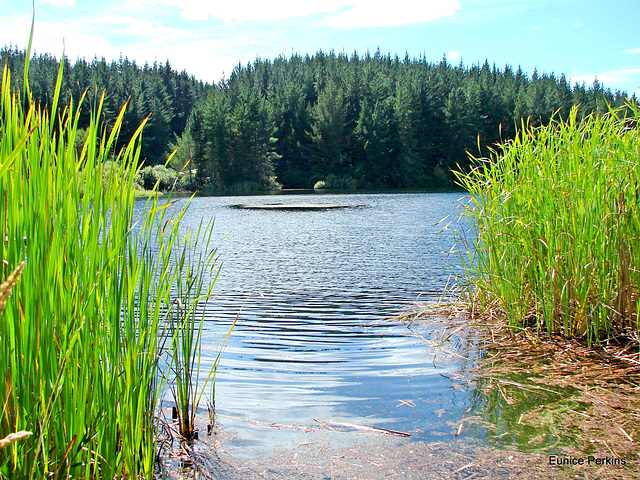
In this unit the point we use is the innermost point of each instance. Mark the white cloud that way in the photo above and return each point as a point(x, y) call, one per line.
point(190, 59)
point(60, 3)
point(386, 13)
point(15, 31)
point(122, 25)
point(626, 79)
point(610, 77)
point(342, 13)
point(138, 39)
point(453, 56)
point(633, 51)
point(245, 10)
point(74, 38)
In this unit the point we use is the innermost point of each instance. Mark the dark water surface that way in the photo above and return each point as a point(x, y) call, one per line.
point(314, 340)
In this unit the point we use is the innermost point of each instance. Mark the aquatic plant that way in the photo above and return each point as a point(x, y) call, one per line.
point(554, 227)
point(82, 332)
point(186, 329)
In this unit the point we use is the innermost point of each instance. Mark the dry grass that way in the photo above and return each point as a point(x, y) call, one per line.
point(14, 437)
point(8, 284)
point(548, 394)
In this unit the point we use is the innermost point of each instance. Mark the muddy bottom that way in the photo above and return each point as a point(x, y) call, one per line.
point(338, 455)
point(553, 409)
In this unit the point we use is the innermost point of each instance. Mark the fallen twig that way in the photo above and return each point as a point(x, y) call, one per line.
point(276, 426)
point(365, 428)
point(626, 434)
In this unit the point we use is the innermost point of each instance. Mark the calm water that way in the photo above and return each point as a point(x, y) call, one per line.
point(314, 340)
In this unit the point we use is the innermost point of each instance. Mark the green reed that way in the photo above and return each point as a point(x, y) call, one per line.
point(87, 320)
point(555, 227)
point(186, 327)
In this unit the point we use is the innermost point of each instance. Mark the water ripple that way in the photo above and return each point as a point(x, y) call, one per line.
point(312, 292)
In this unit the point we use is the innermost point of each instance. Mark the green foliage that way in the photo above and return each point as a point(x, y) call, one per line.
point(333, 182)
point(329, 131)
point(184, 150)
point(375, 120)
point(555, 226)
point(165, 178)
point(382, 121)
point(82, 332)
point(234, 142)
point(186, 326)
point(156, 91)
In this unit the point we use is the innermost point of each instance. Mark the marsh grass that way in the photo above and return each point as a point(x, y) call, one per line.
point(554, 220)
point(83, 330)
point(186, 328)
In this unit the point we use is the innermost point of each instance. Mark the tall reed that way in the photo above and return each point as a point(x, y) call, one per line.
point(555, 226)
point(81, 333)
point(186, 328)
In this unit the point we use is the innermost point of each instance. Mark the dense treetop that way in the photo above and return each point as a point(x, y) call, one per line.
point(346, 121)
point(165, 95)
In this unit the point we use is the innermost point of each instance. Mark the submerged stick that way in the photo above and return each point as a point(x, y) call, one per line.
point(365, 428)
point(523, 387)
point(274, 425)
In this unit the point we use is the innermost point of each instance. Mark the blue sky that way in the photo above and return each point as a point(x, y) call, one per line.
point(583, 39)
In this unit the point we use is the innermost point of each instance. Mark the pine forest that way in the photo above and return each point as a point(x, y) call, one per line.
point(328, 120)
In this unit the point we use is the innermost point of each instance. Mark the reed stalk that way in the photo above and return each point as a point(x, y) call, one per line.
point(554, 222)
point(186, 327)
point(82, 333)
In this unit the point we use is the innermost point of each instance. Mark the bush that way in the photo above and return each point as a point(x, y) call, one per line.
point(166, 178)
point(344, 182)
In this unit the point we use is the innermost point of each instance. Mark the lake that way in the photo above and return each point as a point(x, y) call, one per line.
point(315, 339)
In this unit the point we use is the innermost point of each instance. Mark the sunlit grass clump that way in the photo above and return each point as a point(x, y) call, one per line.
point(89, 298)
point(555, 227)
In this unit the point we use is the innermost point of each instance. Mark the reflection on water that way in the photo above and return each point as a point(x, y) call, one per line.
point(316, 344)
point(316, 289)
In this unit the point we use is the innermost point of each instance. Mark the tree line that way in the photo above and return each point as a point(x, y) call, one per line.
point(328, 120)
point(157, 91)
